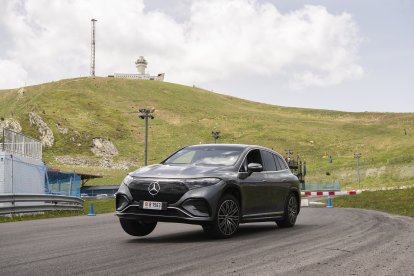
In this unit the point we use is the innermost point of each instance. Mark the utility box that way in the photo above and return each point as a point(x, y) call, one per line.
point(21, 175)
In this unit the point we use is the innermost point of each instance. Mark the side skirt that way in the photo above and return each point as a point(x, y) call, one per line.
point(262, 217)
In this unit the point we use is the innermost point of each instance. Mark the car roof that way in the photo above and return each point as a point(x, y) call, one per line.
point(243, 146)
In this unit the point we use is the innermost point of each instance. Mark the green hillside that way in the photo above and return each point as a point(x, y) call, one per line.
point(102, 107)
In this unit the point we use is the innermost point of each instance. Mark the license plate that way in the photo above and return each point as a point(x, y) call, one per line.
point(153, 205)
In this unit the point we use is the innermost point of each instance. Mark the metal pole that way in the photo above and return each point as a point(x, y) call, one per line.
point(4, 137)
point(358, 156)
point(12, 188)
point(145, 114)
point(146, 140)
point(93, 48)
point(70, 187)
point(359, 178)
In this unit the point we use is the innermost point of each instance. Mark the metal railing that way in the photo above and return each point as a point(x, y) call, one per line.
point(14, 142)
point(28, 203)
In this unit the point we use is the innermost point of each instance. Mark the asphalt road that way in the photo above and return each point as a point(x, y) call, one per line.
point(324, 242)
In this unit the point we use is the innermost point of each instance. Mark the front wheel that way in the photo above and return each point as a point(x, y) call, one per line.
point(291, 212)
point(137, 227)
point(227, 218)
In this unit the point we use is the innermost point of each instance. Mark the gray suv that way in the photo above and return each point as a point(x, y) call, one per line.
point(217, 186)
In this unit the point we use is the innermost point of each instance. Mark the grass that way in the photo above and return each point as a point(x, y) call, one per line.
point(400, 202)
point(100, 207)
point(102, 107)
point(40, 215)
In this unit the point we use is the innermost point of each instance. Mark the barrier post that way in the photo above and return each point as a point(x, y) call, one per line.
point(329, 202)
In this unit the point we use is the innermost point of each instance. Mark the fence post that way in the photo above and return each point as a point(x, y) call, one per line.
point(4, 132)
point(70, 186)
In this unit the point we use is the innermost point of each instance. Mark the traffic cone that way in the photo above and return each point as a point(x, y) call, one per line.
point(329, 202)
point(91, 210)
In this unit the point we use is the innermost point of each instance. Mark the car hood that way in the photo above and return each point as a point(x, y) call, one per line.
point(181, 171)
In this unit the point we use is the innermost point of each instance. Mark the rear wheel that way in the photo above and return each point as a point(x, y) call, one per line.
point(291, 212)
point(227, 218)
point(137, 227)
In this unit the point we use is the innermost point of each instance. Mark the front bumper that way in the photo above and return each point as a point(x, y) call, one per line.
point(171, 214)
point(196, 206)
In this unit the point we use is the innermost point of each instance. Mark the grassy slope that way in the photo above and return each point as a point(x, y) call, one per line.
point(399, 202)
point(184, 115)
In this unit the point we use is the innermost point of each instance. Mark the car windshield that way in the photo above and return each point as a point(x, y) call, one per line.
point(214, 156)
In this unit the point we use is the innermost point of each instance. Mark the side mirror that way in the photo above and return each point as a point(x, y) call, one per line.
point(254, 167)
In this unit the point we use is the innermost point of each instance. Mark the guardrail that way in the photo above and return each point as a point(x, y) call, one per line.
point(27, 203)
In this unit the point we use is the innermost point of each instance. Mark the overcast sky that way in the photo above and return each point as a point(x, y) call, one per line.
point(348, 55)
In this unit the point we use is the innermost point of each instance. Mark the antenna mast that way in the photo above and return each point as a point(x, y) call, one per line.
point(93, 48)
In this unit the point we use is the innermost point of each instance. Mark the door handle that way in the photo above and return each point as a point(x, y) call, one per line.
point(284, 180)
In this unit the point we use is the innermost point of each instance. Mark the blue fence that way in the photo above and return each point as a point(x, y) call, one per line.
point(63, 183)
point(336, 186)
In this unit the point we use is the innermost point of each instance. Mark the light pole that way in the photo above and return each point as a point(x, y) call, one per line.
point(215, 135)
point(145, 114)
point(357, 156)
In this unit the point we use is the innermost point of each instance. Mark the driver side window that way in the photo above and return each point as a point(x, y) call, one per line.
point(252, 157)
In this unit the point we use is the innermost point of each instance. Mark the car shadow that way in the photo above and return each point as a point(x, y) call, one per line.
point(247, 231)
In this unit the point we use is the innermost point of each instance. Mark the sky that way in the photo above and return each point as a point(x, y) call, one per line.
point(348, 55)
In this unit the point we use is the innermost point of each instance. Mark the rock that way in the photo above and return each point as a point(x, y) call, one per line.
point(109, 163)
point(61, 129)
point(69, 160)
point(11, 124)
point(46, 134)
point(103, 148)
point(20, 93)
point(104, 162)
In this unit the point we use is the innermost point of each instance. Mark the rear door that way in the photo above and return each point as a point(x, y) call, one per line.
point(273, 200)
point(284, 179)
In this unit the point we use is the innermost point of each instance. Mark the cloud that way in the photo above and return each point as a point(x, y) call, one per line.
point(49, 40)
point(12, 74)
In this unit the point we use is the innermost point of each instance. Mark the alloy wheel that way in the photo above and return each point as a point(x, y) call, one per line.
point(228, 217)
point(292, 209)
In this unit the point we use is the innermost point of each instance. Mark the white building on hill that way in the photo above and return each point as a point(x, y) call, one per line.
point(141, 65)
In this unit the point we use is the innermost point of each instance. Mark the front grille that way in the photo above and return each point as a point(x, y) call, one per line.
point(170, 190)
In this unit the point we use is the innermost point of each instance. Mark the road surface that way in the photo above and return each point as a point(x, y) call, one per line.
point(324, 242)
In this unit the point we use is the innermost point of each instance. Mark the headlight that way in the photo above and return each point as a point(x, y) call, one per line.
point(201, 182)
point(128, 179)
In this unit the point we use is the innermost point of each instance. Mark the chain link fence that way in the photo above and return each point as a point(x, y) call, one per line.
point(18, 143)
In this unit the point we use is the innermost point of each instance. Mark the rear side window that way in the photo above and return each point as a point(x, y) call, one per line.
point(269, 161)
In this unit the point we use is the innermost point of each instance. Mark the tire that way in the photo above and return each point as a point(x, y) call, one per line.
point(227, 218)
point(137, 227)
point(291, 212)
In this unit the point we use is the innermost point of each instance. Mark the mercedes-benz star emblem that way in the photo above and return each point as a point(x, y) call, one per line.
point(154, 188)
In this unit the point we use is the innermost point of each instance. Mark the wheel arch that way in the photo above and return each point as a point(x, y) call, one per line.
point(233, 190)
point(298, 197)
